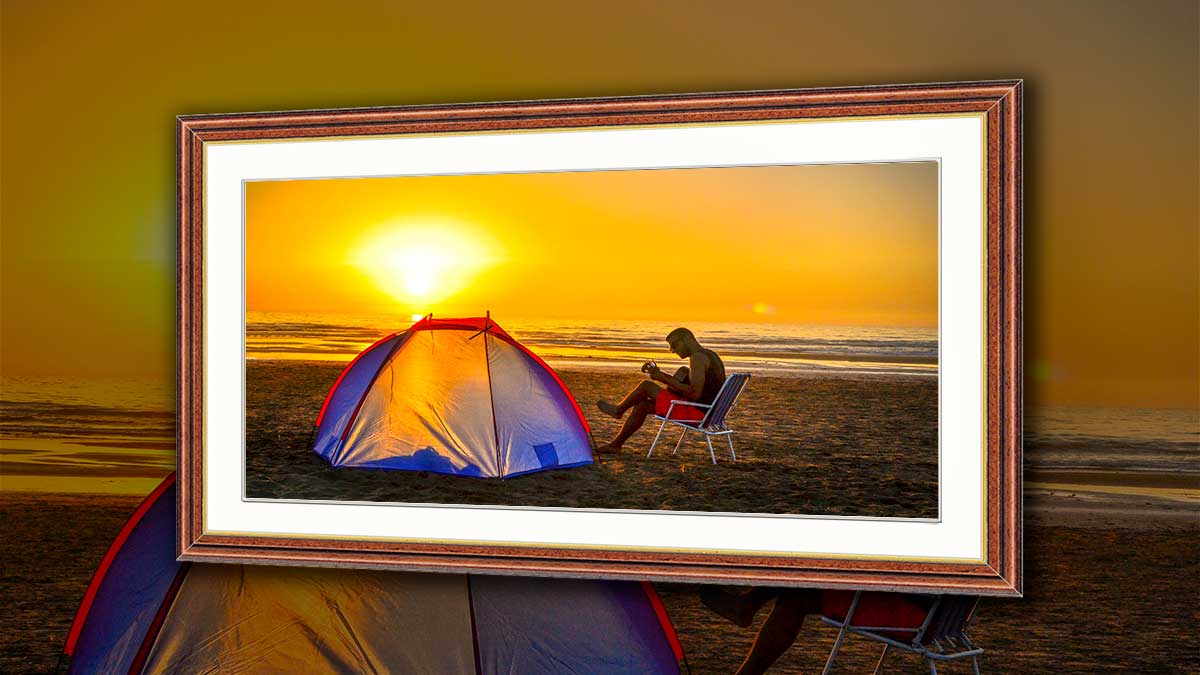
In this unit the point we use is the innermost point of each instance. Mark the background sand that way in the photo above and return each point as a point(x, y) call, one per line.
point(1113, 557)
point(862, 445)
point(1113, 591)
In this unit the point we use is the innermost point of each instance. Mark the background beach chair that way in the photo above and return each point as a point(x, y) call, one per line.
point(939, 637)
point(713, 423)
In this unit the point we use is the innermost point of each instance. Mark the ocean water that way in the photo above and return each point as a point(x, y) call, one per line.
point(62, 434)
point(57, 430)
point(1130, 439)
point(774, 349)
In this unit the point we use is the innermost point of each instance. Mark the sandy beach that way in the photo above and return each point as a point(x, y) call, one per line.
point(1111, 588)
point(839, 444)
point(1112, 554)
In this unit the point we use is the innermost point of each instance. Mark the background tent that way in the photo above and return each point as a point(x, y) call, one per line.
point(456, 396)
point(146, 613)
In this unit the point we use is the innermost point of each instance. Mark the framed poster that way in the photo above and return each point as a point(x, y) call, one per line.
point(758, 338)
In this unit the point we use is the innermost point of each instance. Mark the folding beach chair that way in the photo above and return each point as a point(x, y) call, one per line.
point(713, 423)
point(941, 637)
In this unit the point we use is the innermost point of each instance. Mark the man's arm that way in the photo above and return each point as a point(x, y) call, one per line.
point(697, 367)
point(691, 389)
point(673, 385)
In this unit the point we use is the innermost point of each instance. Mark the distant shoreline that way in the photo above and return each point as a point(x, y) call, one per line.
point(1128, 478)
point(761, 348)
point(590, 364)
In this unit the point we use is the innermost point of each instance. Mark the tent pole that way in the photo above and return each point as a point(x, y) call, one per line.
point(596, 456)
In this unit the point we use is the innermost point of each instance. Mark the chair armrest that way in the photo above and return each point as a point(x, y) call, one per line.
point(691, 403)
point(679, 401)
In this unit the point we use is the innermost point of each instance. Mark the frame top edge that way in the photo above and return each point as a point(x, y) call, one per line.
point(996, 88)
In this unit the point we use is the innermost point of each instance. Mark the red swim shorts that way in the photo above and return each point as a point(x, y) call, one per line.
point(681, 412)
point(877, 608)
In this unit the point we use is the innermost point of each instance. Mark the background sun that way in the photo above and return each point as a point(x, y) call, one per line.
point(420, 264)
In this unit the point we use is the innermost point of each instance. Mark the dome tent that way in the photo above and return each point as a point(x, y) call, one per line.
point(144, 612)
point(454, 396)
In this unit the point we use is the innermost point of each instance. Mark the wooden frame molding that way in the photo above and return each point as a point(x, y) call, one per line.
point(1000, 103)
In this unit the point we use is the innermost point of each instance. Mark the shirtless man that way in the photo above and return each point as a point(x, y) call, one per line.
point(698, 381)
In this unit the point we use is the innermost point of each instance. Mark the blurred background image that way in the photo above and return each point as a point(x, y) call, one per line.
point(1111, 262)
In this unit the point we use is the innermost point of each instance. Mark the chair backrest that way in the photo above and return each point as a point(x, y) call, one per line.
point(730, 392)
point(948, 619)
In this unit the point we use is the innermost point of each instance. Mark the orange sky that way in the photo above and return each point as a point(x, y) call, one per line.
point(1112, 201)
point(848, 244)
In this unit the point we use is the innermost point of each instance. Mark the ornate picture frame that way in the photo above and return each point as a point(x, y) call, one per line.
point(973, 131)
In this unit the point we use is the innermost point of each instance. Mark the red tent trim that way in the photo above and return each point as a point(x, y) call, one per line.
point(546, 366)
point(102, 569)
point(329, 396)
point(664, 621)
point(139, 659)
point(475, 323)
point(362, 399)
point(474, 630)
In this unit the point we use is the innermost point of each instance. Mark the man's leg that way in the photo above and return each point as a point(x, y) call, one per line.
point(645, 391)
point(682, 374)
point(737, 608)
point(639, 402)
point(781, 629)
point(637, 417)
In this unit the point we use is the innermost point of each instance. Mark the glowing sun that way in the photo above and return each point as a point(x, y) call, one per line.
point(421, 264)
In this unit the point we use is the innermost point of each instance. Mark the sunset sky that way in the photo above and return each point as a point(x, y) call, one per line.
point(840, 244)
point(1112, 203)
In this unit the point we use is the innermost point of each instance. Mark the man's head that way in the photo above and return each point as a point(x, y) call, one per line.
point(683, 343)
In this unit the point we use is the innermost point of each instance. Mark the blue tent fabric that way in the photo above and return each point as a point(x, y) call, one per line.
point(343, 398)
point(130, 593)
point(161, 616)
point(532, 410)
point(425, 459)
point(567, 627)
point(452, 396)
point(260, 619)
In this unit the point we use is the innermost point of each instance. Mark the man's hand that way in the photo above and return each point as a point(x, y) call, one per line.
point(650, 368)
point(673, 384)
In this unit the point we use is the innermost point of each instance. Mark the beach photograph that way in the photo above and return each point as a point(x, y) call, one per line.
point(410, 339)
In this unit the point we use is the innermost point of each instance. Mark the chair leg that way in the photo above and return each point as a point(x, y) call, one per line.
point(656, 436)
point(680, 441)
point(879, 666)
point(711, 453)
point(837, 644)
point(975, 664)
point(932, 667)
point(729, 437)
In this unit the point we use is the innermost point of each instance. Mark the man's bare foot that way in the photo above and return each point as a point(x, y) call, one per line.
point(727, 605)
point(609, 409)
point(609, 449)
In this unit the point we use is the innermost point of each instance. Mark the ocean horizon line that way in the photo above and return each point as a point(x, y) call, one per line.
point(775, 349)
